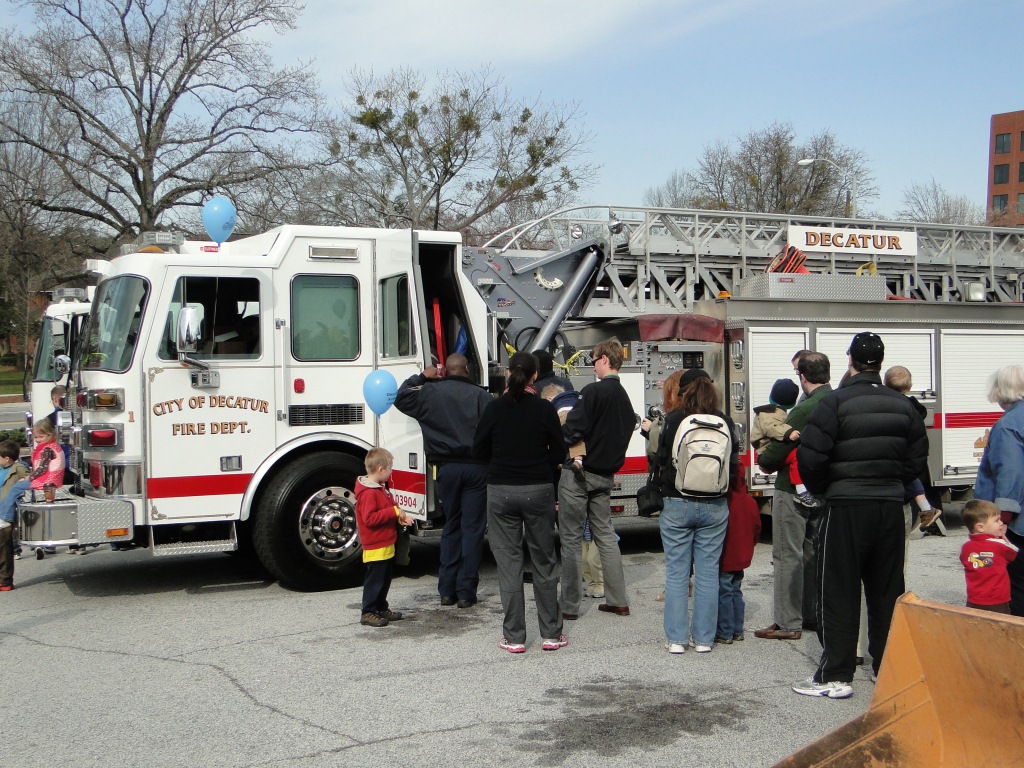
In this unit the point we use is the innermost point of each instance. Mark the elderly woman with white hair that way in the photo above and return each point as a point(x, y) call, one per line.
point(1001, 474)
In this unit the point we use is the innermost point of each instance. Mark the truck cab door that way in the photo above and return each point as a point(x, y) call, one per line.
point(205, 435)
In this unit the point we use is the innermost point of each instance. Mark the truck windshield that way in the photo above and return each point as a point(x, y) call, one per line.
point(114, 323)
point(53, 340)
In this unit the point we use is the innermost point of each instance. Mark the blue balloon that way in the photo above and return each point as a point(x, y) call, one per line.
point(380, 390)
point(219, 217)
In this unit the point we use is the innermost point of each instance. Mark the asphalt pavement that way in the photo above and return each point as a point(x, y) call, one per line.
point(122, 659)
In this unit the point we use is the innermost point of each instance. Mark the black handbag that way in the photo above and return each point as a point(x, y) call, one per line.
point(649, 501)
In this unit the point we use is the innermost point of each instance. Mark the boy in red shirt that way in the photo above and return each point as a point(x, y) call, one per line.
point(378, 518)
point(741, 536)
point(985, 556)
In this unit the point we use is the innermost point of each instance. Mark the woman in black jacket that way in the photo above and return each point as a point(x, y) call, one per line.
point(692, 527)
point(520, 437)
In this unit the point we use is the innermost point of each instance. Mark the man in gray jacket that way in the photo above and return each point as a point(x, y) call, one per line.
point(448, 411)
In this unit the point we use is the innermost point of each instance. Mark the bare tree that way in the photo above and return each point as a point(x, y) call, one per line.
point(155, 104)
point(932, 203)
point(454, 156)
point(38, 249)
point(759, 172)
point(676, 192)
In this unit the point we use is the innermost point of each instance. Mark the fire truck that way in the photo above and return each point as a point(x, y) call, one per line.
point(217, 401)
point(59, 331)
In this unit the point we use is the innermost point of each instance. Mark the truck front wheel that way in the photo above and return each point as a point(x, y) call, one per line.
point(305, 524)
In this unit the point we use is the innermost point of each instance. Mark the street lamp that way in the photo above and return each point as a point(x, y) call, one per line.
point(806, 163)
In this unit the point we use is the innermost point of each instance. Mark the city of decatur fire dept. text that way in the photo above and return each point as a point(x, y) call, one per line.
point(198, 402)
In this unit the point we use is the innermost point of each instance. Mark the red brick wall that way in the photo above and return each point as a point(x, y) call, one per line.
point(1013, 124)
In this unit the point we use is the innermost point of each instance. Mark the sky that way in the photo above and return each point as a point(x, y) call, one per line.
point(911, 84)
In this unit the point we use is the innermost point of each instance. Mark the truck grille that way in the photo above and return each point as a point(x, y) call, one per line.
point(322, 415)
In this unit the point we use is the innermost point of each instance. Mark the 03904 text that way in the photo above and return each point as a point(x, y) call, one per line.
point(406, 500)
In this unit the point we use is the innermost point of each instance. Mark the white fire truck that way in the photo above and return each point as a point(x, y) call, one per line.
point(217, 394)
point(59, 330)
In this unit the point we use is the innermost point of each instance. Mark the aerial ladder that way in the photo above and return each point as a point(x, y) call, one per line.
point(590, 263)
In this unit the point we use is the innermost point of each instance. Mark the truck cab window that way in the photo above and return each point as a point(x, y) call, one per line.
point(325, 317)
point(114, 323)
point(229, 308)
point(52, 341)
point(395, 318)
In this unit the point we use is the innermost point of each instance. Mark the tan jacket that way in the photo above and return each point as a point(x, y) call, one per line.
point(769, 425)
point(18, 472)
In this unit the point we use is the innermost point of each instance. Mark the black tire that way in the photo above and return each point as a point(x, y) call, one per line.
point(304, 529)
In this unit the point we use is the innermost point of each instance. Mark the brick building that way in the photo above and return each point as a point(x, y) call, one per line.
point(1006, 169)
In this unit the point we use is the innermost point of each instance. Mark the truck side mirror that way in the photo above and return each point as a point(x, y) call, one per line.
point(188, 330)
point(61, 367)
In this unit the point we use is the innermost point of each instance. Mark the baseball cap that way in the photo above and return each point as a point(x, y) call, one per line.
point(867, 348)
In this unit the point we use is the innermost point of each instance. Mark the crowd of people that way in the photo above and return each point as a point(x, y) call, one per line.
point(850, 466)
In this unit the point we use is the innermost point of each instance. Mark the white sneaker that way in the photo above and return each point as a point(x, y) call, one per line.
point(702, 648)
point(675, 647)
point(833, 690)
point(553, 645)
point(595, 593)
point(505, 645)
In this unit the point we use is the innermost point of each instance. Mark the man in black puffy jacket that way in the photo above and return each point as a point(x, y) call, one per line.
point(862, 443)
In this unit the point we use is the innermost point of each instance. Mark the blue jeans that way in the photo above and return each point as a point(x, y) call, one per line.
point(730, 604)
point(8, 506)
point(692, 532)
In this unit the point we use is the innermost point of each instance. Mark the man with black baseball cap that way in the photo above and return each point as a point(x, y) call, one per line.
point(861, 444)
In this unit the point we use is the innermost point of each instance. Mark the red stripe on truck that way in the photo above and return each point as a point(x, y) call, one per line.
point(966, 420)
point(411, 482)
point(197, 485)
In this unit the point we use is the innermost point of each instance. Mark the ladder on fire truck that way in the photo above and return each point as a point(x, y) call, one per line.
point(662, 260)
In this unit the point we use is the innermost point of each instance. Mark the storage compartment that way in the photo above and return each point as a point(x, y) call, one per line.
point(813, 286)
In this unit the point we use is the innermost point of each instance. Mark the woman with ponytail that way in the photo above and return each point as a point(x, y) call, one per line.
point(692, 527)
point(521, 439)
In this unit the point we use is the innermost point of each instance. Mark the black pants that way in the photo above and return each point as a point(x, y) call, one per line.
point(376, 585)
point(857, 543)
point(1016, 573)
point(7, 555)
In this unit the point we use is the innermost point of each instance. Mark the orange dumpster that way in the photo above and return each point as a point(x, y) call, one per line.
point(950, 693)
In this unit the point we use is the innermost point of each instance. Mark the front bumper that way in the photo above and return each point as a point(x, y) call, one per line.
point(73, 521)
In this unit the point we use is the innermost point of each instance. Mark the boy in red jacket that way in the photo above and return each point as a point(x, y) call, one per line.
point(741, 536)
point(378, 518)
point(985, 555)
